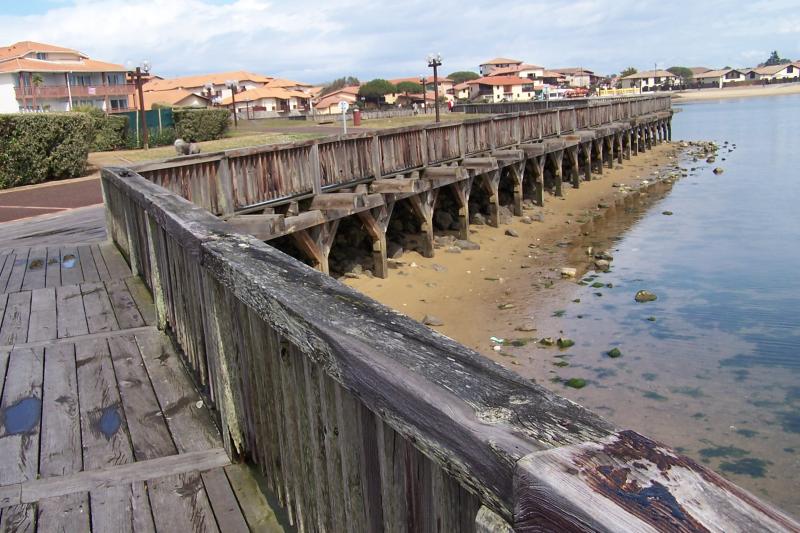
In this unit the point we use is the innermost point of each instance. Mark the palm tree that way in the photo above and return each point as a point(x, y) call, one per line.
point(36, 81)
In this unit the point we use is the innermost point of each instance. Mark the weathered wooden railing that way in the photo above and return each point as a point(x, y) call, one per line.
point(362, 419)
point(233, 180)
point(539, 105)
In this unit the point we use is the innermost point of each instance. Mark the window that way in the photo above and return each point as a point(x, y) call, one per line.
point(789, 69)
point(115, 78)
point(80, 79)
point(658, 80)
point(507, 88)
point(119, 104)
point(41, 55)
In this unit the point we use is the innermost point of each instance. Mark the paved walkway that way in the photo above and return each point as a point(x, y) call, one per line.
point(53, 197)
point(101, 428)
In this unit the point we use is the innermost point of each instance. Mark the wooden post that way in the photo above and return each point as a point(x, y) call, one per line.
point(557, 158)
point(628, 144)
point(156, 288)
point(517, 172)
point(618, 140)
point(375, 156)
point(587, 151)
point(225, 200)
point(669, 129)
point(376, 221)
point(316, 169)
point(461, 190)
point(598, 145)
point(575, 170)
point(423, 205)
point(537, 164)
point(316, 243)
point(490, 181)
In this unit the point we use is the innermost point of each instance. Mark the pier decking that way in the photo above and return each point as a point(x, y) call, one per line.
point(101, 427)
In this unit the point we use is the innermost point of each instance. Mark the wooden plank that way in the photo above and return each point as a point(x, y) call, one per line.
point(18, 519)
point(259, 513)
point(70, 312)
point(125, 309)
point(117, 268)
point(123, 474)
point(100, 263)
point(103, 428)
point(43, 325)
point(88, 267)
point(4, 355)
point(14, 327)
point(61, 452)
point(191, 426)
point(18, 269)
point(64, 514)
point(71, 273)
point(8, 266)
point(10, 495)
point(223, 502)
point(70, 340)
point(99, 313)
point(36, 270)
point(121, 508)
point(144, 302)
point(21, 421)
point(53, 275)
point(180, 503)
point(148, 429)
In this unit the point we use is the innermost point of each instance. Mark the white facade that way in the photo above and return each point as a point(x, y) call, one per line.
point(8, 99)
point(503, 93)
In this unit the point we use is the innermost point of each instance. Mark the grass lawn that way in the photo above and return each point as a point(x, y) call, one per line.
point(126, 157)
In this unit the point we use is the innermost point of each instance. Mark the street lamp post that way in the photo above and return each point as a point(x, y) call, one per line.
point(233, 85)
point(435, 61)
point(143, 68)
point(423, 81)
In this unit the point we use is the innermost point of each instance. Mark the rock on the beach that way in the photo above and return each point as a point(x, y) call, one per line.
point(466, 245)
point(393, 250)
point(602, 264)
point(430, 320)
point(453, 250)
point(438, 268)
point(569, 272)
point(605, 254)
point(526, 220)
point(719, 170)
point(512, 232)
point(527, 327)
point(668, 213)
point(478, 219)
point(645, 296)
point(443, 219)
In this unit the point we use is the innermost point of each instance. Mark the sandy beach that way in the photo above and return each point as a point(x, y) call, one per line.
point(693, 95)
point(466, 291)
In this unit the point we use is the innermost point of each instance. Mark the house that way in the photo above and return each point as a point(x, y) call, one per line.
point(775, 72)
point(44, 77)
point(698, 70)
point(461, 91)
point(551, 77)
point(216, 83)
point(498, 62)
point(280, 83)
point(649, 80)
point(265, 102)
point(719, 78)
point(329, 104)
point(169, 98)
point(523, 70)
point(503, 89)
point(579, 76)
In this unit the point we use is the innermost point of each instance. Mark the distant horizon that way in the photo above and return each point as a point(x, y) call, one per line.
point(329, 40)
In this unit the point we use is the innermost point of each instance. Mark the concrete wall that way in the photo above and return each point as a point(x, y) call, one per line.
point(8, 99)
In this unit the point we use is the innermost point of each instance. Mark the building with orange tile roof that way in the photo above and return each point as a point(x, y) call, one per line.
point(498, 62)
point(269, 102)
point(44, 77)
point(504, 89)
point(171, 98)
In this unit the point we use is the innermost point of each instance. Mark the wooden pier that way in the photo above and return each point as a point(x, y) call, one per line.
point(360, 418)
point(101, 427)
point(303, 190)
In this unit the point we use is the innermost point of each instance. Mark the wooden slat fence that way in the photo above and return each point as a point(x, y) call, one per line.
point(362, 419)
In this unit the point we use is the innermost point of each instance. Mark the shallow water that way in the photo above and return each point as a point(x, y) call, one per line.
point(712, 366)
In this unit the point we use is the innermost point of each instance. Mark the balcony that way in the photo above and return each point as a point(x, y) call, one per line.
point(45, 92)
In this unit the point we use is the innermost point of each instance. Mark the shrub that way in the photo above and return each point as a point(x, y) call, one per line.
point(110, 131)
point(40, 146)
point(155, 138)
point(201, 124)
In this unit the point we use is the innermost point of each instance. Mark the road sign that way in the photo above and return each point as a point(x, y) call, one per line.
point(344, 106)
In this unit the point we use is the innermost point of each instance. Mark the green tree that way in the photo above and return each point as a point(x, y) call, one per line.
point(37, 82)
point(339, 83)
point(684, 73)
point(627, 72)
point(776, 59)
point(374, 90)
point(407, 87)
point(463, 75)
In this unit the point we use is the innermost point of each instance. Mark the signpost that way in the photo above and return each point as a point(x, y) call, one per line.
point(344, 106)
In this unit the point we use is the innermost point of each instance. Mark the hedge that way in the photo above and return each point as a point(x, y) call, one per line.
point(39, 146)
point(110, 131)
point(201, 124)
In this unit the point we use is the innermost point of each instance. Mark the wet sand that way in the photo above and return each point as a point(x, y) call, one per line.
point(508, 272)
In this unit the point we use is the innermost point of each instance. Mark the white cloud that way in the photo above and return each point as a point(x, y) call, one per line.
point(318, 40)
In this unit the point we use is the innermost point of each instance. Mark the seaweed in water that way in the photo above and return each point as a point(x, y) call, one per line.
point(749, 466)
point(723, 451)
point(790, 421)
point(654, 396)
point(749, 433)
point(694, 392)
point(649, 376)
point(575, 383)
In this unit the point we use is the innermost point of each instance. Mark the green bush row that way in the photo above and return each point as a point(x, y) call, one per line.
point(110, 131)
point(39, 146)
point(201, 124)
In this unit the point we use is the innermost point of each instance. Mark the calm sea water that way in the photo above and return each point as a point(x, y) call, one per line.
point(712, 366)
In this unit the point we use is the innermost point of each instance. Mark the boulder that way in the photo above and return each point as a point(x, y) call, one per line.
point(430, 320)
point(478, 219)
point(512, 232)
point(569, 272)
point(443, 219)
point(602, 264)
point(645, 296)
point(393, 250)
point(719, 170)
point(466, 245)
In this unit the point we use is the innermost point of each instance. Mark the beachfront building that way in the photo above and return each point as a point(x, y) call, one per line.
point(503, 89)
point(215, 83)
point(44, 77)
point(523, 70)
point(487, 67)
point(786, 72)
point(719, 78)
point(169, 98)
point(461, 91)
point(329, 104)
point(579, 76)
point(649, 80)
point(269, 102)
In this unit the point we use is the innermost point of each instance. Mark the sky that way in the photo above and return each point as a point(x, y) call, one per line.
point(319, 40)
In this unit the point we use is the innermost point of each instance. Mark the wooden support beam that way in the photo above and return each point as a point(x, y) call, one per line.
point(303, 221)
point(506, 157)
point(557, 158)
point(533, 149)
point(618, 141)
point(537, 166)
point(423, 205)
point(480, 163)
point(261, 227)
point(461, 191)
point(376, 221)
point(395, 185)
point(490, 182)
point(517, 172)
point(316, 243)
point(598, 148)
point(587, 152)
point(575, 173)
point(338, 200)
point(609, 142)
